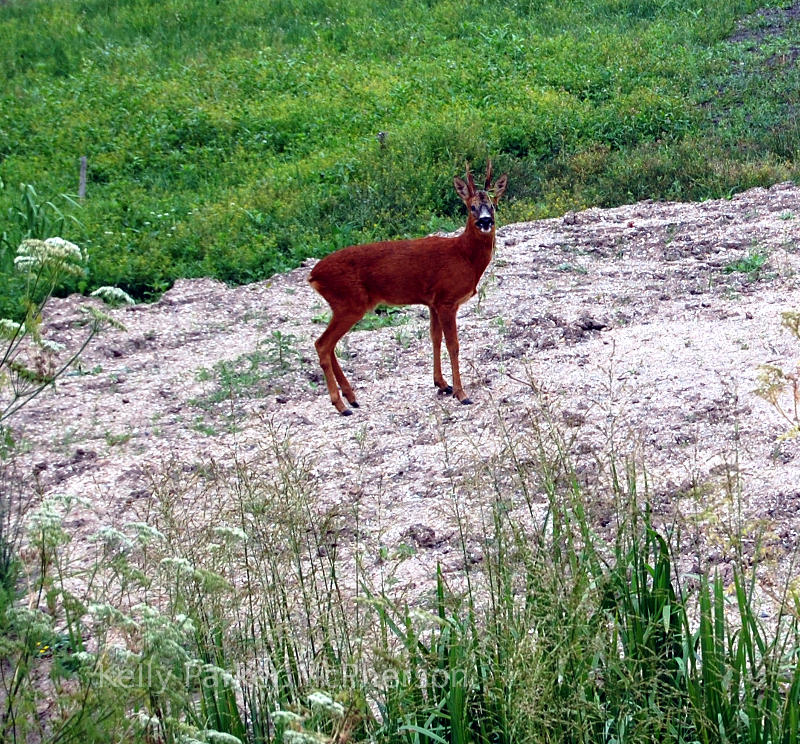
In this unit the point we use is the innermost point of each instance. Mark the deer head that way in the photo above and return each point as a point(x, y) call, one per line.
point(481, 204)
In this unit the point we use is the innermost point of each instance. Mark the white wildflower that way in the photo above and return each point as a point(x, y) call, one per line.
point(52, 346)
point(286, 717)
point(113, 296)
point(222, 737)
point(177, 564)
point(60, 248)
point(148, 613)
point(104, 612)
point(223, 675)
point(230, 534)
point(25, 263)
point(326, 703)
point(146, 533)
point(9, 329)
point(101, 610)
point(44, 518)
point(291, 736)
point(57, 253)
point(112, 537)
point(185, 623)
point(147, 721)
point(122, 654)
point(45, 522)
point(35, 621)
point(85, 658)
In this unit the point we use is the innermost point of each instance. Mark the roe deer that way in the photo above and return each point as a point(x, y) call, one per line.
point(439, 272)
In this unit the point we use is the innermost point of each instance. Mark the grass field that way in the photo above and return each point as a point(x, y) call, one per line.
point(234, 139)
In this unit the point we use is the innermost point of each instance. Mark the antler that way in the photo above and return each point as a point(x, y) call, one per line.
point(470, 180)
point(488, 174)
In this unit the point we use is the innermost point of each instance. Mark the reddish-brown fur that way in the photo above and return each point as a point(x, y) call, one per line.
point(441, 273)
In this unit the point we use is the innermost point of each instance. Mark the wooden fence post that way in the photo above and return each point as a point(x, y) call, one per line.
point(82, 182)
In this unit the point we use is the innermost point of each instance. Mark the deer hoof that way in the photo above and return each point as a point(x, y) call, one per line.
point(446, 390)
point(353, 404)
point(346, 412)
point(466, 402)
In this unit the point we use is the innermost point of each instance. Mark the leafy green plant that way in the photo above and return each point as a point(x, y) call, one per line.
point(383, 316)
point(252, 374)
point(750, 264)
point(281, 351)
point(31, 218)
point(229, 619)
point(46, 631)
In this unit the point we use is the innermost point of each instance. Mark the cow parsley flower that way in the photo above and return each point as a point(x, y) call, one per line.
point(113, 296)
point(84, 658)
point(9, 330)
point(326, 703)
point(221, 736)
point(46, 519)
point(290, 736)
point(146, 533)
point(286, 717)
point(54, 347)
point(52, 253)
point(177, 564)
point(112, 537)
point(230, 534)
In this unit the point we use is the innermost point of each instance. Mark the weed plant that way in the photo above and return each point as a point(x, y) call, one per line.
point(235, 139)
point(780, 387)
point(251, 375)
point(30, 363)
point(236, 609)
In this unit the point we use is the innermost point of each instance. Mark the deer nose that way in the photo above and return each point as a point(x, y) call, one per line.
point(484, 223)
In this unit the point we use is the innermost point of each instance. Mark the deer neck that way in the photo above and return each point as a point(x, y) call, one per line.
point(478, 245)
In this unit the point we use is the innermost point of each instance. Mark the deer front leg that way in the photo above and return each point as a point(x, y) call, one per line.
point(447, 318)
point(326, 350)
point(436, 340)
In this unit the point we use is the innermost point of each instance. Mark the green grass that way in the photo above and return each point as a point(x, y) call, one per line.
point(250, 375)
point(750, 264)
point(234, 139)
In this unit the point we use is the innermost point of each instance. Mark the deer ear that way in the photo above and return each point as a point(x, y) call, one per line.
point(500, 187)
point(461, 189)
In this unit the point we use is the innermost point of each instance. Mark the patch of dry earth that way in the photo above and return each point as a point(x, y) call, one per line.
point(621, 326)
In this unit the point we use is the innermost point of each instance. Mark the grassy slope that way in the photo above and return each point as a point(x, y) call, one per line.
point(235, 138)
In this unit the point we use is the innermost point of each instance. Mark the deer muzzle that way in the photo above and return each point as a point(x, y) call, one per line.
point(485, 223)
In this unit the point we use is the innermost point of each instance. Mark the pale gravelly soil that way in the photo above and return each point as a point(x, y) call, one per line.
point(622, 327)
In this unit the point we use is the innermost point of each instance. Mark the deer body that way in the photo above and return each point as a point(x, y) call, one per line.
point(439, 272)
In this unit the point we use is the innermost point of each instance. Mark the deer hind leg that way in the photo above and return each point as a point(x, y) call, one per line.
point(326, 350)
point(342, 381)
point(447, 317)
point(436, 340)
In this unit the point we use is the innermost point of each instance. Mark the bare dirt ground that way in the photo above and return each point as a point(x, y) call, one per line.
point(628, 330)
